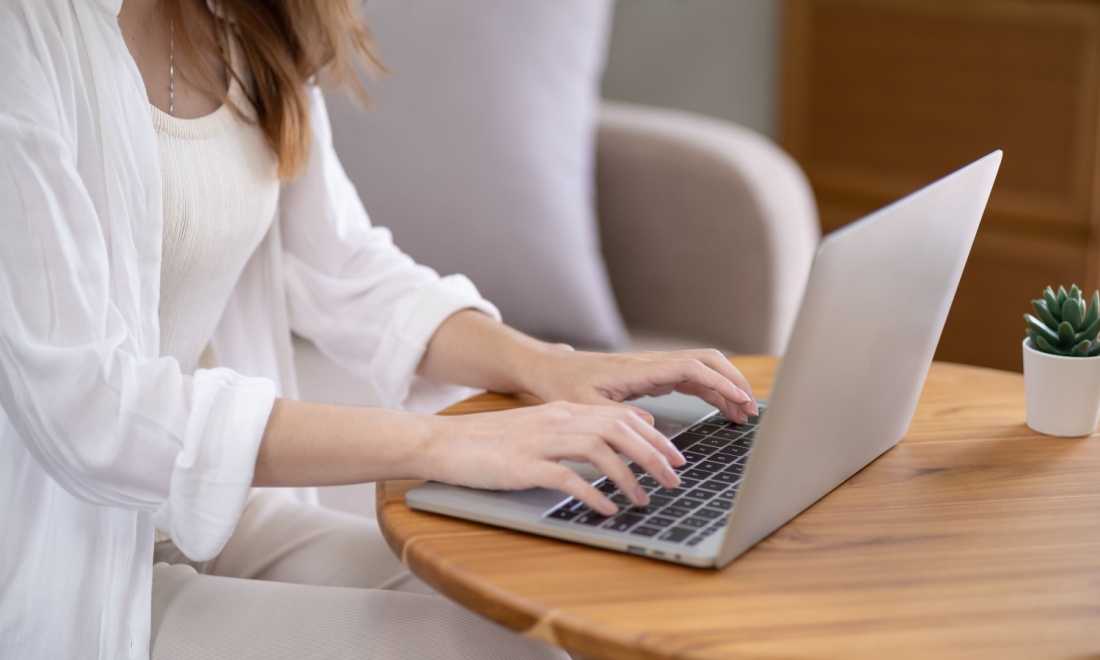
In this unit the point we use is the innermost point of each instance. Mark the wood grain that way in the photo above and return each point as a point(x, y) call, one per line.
point(974, 537)
point(881, 97)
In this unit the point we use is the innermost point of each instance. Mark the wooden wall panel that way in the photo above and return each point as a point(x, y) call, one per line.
point(884, 96)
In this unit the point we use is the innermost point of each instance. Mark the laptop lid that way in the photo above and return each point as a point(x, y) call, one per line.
point(871, 316)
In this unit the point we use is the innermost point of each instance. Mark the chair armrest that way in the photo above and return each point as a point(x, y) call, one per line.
point(708, 229)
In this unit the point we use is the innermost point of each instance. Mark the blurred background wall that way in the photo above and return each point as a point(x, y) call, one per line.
point(716, 57)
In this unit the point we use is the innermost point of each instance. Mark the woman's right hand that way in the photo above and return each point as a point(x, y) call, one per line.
point(522, 448)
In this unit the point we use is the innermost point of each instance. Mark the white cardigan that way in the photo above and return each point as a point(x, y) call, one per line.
point(100, 439)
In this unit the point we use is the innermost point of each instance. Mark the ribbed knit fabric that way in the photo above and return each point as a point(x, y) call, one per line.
point(220, 187)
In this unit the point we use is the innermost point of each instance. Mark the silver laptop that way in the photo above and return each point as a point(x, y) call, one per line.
point(845, 391)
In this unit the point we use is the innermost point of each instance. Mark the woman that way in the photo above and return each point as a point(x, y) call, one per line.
point(171, 210)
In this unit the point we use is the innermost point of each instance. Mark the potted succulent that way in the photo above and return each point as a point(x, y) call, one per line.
point(1062, 363)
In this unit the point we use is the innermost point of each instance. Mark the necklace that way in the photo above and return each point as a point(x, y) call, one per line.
point(171, 68)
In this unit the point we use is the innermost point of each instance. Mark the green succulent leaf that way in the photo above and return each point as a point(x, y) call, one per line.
point(1047, 347)
point(1074, 292)
point(1044, 313)
point(1090, 332)
point(1093, 310)
point(1039, 328)
point(1071, 313)
point(1052, 304)
point(1066, 333)
point(1094, 349)
point(1062, 295)
point(1081, 349)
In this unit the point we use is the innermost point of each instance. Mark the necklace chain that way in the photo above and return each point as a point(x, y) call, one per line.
point(171, 68)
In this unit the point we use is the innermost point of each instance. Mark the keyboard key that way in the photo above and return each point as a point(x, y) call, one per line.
point(577, 505)
point(591, 518)
point(709, 513)
point(607, 487)
point(688, 503)
point(729, 434)
point(714, 486)
point(735, 468)
point(659, 522)
point(696, 541)
point(675, 511)
point(726, 477)
point(710, 466)
point(636, 469)
point(692, 457)
point(659, 500)
point(697, 523)
point(676, 534)
point(621, 500)
point(686, 439)
point(562, 514)
point(623, 522)
point(648, 483)
point(720, 503)
point(699, 494)
point(722, 457)
point(645, 530)
point(696, 473)
point(706, 449)
point(717, 443)
point(704, 428)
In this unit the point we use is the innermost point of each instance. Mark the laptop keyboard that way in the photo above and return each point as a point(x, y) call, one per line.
point(716, 450)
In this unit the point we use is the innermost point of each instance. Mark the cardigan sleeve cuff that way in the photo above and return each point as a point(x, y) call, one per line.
point(406, 339)
point(213, 472)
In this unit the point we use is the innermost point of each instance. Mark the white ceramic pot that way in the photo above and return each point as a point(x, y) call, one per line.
point(1063, 393)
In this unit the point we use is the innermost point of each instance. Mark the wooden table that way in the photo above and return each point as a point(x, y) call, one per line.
point(974, 537)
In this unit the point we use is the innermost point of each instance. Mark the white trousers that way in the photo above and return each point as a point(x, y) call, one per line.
point(298, 581)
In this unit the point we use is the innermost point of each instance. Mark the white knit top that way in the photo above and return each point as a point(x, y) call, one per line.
point(221, 187)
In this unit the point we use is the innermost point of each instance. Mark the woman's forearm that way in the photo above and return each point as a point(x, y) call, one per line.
point(313, 444)
point(472, 349)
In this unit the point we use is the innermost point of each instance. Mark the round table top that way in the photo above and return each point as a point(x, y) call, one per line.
point(974, 536)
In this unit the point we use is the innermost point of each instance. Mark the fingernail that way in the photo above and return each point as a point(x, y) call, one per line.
point(677, 457)
point(641, 498)
point(753, 407)
point(668, 478)
point(607, 507)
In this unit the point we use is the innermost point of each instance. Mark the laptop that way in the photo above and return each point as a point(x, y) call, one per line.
point(844, 393)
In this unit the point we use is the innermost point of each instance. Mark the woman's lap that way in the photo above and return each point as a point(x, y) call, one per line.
point(298, 581)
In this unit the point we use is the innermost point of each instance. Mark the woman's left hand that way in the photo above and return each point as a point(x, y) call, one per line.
point(563, 374)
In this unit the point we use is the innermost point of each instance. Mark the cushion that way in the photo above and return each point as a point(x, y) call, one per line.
point(477, 152)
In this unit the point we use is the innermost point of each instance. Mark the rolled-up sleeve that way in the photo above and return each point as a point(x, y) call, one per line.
point(351, 291)
point(109, 421)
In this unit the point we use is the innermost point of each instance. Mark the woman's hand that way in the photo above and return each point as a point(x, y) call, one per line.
point(518, 449)
point(562, 374)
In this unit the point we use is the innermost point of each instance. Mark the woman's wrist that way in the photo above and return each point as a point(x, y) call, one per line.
point(534, 364)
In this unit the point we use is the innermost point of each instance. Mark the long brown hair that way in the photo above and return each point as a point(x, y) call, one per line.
point(285, 44)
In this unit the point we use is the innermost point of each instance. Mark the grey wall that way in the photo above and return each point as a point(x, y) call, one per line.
point(717, 57)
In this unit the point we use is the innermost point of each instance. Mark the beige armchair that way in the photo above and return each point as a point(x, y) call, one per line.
point(708, 229)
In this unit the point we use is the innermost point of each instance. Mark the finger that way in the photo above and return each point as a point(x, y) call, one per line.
point(595, 449)
point(646, 430)
point(642, 443)
point(569, 482)
point(720, 363)
point(692, 370)
point(731, 411)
